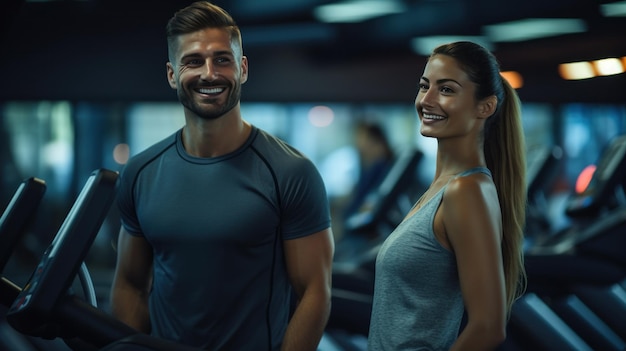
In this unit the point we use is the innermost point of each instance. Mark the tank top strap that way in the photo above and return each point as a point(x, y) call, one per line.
point(484, 170)
point(440, 192)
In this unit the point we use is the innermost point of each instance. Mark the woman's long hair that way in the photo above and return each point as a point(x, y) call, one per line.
point(505, 154)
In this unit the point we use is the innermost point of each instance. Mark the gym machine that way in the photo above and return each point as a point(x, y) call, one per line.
point(46, 309)
point(580, 271)
point(353, 280)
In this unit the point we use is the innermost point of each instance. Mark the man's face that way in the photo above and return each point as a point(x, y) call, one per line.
point(208, 72)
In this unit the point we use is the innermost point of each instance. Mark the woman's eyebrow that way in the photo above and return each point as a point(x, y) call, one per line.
point(443, 81)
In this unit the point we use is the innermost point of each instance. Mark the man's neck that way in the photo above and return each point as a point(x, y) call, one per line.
point(213, 138)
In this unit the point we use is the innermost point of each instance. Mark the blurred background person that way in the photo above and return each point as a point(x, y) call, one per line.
point(375, 159)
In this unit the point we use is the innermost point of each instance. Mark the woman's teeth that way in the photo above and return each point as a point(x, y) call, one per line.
point(427, 116)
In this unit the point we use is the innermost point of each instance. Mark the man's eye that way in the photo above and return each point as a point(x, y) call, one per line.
point(195, 62)
point(222, 60)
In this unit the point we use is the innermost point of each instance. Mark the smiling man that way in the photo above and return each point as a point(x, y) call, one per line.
point(221, 221)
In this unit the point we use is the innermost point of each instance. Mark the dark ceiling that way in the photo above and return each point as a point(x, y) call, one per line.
point(113, 50)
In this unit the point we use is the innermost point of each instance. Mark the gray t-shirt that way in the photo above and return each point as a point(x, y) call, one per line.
point(418, 303)
point(216, 226)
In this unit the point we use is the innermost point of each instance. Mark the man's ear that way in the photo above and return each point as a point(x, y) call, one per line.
point(171, 78)
point(487, 106)
point(244, 69)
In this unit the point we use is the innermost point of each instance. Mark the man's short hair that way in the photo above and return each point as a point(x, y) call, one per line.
point(198, 16)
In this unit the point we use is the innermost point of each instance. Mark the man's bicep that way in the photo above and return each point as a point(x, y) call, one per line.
point(134, 258)
point(309, 259)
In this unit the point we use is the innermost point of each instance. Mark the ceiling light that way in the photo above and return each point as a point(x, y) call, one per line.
point(576, 70)
point(614, 9)
point(425, 45)
point(321, 116)
point(608, 66)
point(533, 28)
point(514, 78)
point(351, 11)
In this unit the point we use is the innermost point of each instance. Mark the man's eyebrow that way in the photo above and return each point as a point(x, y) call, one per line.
point(193, 54)
point(443, 81)
point(224, 52)
point(216, 53)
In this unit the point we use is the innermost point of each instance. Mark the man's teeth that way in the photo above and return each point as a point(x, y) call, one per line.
point(427, 116)
point(210, 90)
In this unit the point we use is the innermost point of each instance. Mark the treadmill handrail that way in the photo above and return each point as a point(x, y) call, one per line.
point(568, 241)
point(15, 217)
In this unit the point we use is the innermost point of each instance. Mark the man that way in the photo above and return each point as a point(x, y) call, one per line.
point(221, 220)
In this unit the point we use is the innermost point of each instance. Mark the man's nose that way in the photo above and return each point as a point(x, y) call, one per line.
point(208, 71)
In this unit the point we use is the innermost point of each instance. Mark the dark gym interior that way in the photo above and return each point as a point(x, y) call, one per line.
point(84, 87)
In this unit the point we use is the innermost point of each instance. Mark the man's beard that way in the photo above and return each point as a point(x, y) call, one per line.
point(210, 111)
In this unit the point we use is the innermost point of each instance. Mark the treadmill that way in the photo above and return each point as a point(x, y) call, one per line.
point(17, 214)
point(581, 269)
point(542, 167)
point(14, 220)
point(45, 308)
point(599, 213)
point(353, 275)
point(381, 201)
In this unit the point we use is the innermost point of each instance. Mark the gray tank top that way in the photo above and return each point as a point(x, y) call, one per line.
point(417, 297)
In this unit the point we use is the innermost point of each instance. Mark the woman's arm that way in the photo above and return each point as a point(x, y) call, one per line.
point(472, 221)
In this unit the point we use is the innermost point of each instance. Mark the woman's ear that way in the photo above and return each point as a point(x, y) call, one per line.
point(487, 106)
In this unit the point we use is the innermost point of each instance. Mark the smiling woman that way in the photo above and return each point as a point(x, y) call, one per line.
point(464, 235)
point(447, 94)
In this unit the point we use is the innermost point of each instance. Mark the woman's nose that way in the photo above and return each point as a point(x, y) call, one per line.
point(425, 98)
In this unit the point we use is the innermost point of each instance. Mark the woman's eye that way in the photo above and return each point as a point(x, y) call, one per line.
point(423, 86)
point(446, 90)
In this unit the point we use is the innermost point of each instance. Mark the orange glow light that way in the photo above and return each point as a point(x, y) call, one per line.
point(608, 66)
point(514, 78)
point(576, 70)
point(584, 178)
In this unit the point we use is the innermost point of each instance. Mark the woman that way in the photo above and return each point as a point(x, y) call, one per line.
point(460, 247)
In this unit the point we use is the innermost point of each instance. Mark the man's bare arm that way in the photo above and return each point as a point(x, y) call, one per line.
point(309, 264)
point(132, 281)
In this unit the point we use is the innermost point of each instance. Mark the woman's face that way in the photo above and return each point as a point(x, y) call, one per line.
point(445, 102)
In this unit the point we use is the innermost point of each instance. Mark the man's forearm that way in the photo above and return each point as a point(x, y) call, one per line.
point(307, 324)
point(131, 307)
